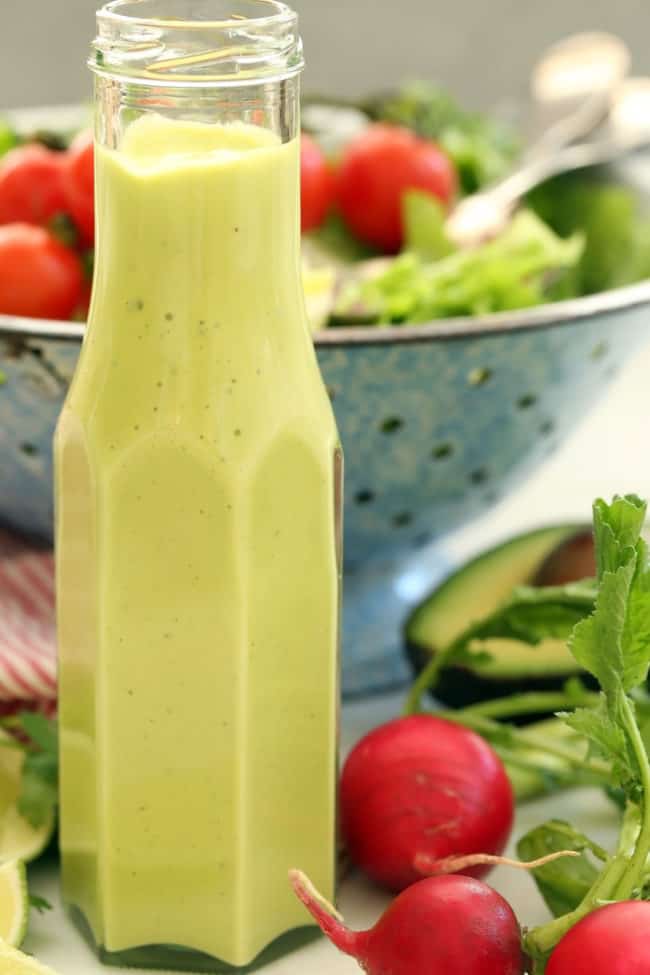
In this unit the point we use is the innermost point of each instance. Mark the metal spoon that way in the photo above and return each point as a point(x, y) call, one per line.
point(627, 128)
point(573, 86)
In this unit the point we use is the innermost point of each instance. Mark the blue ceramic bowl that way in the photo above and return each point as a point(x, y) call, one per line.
point(438, 422)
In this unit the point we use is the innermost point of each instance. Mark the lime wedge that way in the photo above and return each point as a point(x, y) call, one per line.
point(19, 840)
point(14, 902)
point(14, 962)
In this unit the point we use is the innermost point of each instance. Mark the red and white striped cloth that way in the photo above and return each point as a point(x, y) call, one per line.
point(27, 630)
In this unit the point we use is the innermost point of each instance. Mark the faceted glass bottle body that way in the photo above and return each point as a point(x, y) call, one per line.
point(198, 555)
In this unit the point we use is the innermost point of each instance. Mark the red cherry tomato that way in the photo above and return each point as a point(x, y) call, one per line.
point(375, 171)
point(316, 185)
point(31, 185)
point(79, 185)
point(39, 276)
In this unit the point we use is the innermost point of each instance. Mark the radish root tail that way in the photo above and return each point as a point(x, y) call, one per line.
point(325, 914)
point(430, 867)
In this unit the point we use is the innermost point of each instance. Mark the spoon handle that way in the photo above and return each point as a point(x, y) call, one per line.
point(484, 214)
point(517, 184)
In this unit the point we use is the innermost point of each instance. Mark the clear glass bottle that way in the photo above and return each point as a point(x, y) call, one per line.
point(198, 489)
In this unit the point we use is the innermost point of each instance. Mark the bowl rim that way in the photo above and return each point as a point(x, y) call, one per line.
point(549, 315)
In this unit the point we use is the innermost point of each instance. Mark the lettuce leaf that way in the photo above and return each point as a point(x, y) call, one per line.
point(512, 271)
point(616, 233)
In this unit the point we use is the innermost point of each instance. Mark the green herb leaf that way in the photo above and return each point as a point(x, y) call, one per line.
point(39, 788)
point(607, 737)
point(564, 882)
point(41, 730)
point(597, 641)
point(536, 614)
point(614, 643)
point(38, 798)
point(617, 528)
point(39, 903)
point(530, 616)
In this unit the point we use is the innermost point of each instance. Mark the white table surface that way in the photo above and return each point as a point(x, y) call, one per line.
point(609, 453)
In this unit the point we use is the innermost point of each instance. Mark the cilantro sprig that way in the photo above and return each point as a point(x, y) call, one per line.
point(613, 644)
point(37, 736)
point(607, 624)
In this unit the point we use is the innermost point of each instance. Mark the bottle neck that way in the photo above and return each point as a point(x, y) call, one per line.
point(272, 105)
point(199, 60)
point(197, 113)
point(197, 214)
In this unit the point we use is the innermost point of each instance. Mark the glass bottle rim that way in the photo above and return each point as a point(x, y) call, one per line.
point(196, 42)
point(126, 12)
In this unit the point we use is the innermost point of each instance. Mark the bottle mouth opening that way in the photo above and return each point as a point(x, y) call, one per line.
point(196, 42)
point(196, 14)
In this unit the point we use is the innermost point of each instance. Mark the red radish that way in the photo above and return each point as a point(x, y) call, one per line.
point(614, 940)
point(422, 787)
point(450, 925)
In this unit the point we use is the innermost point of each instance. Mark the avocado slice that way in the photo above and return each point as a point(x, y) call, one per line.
point(470, 594)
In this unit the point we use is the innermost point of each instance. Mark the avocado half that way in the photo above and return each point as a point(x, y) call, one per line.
point(470, 594)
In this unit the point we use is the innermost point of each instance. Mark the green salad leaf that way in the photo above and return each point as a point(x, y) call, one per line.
point(616, 233)
point(8, 137)
point(424, 226)
point(578, 234)
point(511, 271)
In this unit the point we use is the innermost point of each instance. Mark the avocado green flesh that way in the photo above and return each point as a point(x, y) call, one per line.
point(477, 590)
point(513, 659)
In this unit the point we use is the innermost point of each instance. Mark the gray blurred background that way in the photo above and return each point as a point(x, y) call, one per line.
point(481, 49)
